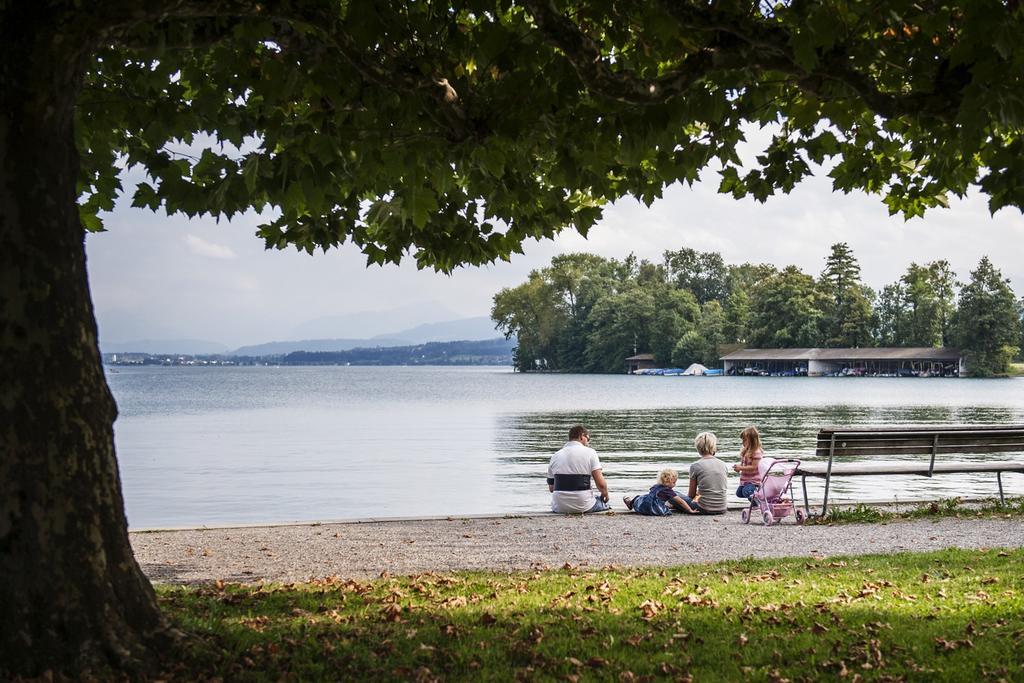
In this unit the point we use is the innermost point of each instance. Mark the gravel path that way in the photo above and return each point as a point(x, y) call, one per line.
point(363, 549)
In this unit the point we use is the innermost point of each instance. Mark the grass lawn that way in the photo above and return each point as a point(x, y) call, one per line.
point(950, 507)
point(950, 615)
point(1016, 370)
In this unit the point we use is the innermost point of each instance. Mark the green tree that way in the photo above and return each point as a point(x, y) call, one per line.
point(704, 274)
point(548, 313)
point(891, 315)
point(988, 322)
point(446, 133)
point(690, 348)
point(858, 320)
point(619, 324)
point(743, 280)
point(1020, 316)
point(848, 321)
point(570, 275)
point(945, 285)
point(581, 280)
point(788, 311)
point(676, 313)
point(534, 313)
point(737, 316)
point(700, 339)
point(712, 329)
point(923, 315)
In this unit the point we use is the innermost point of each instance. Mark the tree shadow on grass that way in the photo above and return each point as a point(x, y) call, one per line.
point(794, 620)
point(182, 574)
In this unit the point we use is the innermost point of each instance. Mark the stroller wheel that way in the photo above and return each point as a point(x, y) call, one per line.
point(768, 519)
point(745, 516)
point(800, 516)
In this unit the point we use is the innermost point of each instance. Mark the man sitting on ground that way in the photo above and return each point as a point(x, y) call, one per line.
point(570, 474)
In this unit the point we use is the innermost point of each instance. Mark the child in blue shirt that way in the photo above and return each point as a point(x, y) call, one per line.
point(662, 498)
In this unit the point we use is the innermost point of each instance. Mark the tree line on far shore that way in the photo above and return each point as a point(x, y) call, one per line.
point(587, 313)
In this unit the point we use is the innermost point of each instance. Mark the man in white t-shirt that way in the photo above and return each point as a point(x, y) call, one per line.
point(570, 474)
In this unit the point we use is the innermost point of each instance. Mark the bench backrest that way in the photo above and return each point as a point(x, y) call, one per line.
point(924, 440)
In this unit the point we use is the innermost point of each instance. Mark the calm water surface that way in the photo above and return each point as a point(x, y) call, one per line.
point(262, 444)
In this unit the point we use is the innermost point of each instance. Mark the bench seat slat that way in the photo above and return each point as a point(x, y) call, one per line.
point(920, 440)
point(861, 448)
point(918, 430)
point(819, 469)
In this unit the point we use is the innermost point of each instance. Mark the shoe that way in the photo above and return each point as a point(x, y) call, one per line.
point(628, 501)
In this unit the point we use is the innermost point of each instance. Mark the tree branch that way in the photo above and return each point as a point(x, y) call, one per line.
point(197, 34)
point(734, 42)
point(404, 79)
point(117, 22)
point(770, 50)
point(585, 57)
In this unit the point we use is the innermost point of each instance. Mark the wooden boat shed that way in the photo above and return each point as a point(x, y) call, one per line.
point(641, 361)
point(878, 361)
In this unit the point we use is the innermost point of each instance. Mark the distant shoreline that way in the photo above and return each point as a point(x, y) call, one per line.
point(496, 351)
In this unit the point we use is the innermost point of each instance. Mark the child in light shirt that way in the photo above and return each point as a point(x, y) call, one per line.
point(750, 460)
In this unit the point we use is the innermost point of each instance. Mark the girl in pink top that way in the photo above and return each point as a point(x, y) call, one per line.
point(750, 458)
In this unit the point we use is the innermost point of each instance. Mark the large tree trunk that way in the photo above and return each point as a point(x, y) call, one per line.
point(71, 593)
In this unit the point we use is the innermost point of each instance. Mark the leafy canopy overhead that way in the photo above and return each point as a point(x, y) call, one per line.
point(457, 131)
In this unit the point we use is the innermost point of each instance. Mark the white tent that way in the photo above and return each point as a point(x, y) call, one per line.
point(695, 369)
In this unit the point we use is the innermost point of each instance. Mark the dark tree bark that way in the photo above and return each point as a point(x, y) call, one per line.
point(71, 593)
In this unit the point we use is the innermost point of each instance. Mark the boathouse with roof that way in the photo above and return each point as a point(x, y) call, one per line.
point(641, 361)
point(864, 361)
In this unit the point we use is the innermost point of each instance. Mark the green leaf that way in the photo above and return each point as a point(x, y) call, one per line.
point(146, 197)
point(91, 222)
point(420, 203)
point(804, 51)
point(493, 161)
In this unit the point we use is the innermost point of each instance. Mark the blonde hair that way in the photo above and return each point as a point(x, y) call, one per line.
point(667, 475)
point(706, 443)
point(751, 441)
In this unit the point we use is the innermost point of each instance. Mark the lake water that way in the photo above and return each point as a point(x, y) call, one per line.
point(211, 446)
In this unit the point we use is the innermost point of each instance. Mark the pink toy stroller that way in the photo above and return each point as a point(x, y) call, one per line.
point(774, 497)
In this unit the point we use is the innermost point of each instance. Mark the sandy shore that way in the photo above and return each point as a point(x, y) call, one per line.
point(362, 549)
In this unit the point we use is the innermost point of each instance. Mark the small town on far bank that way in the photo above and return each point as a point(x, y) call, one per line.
point(482, 352)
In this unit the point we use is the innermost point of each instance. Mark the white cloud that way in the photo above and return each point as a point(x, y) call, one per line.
point(245, 283)
point(200, 247)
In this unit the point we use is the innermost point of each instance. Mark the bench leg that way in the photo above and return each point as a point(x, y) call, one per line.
point(807, 505)
point(999, 478)
point(828, 471)
point(824, 503)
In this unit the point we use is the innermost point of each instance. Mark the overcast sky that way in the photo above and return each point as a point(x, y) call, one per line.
point(160, 277)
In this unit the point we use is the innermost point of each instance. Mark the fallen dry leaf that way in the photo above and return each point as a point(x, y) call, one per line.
point(651, 608)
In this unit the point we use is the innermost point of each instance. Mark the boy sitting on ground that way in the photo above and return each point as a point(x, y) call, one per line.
point(661, 497)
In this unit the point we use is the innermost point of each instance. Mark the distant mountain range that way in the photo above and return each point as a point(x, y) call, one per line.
point(369, 324)
point(465, 329)
point(480, 327)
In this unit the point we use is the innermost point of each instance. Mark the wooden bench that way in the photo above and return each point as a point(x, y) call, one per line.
point(932, 441)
